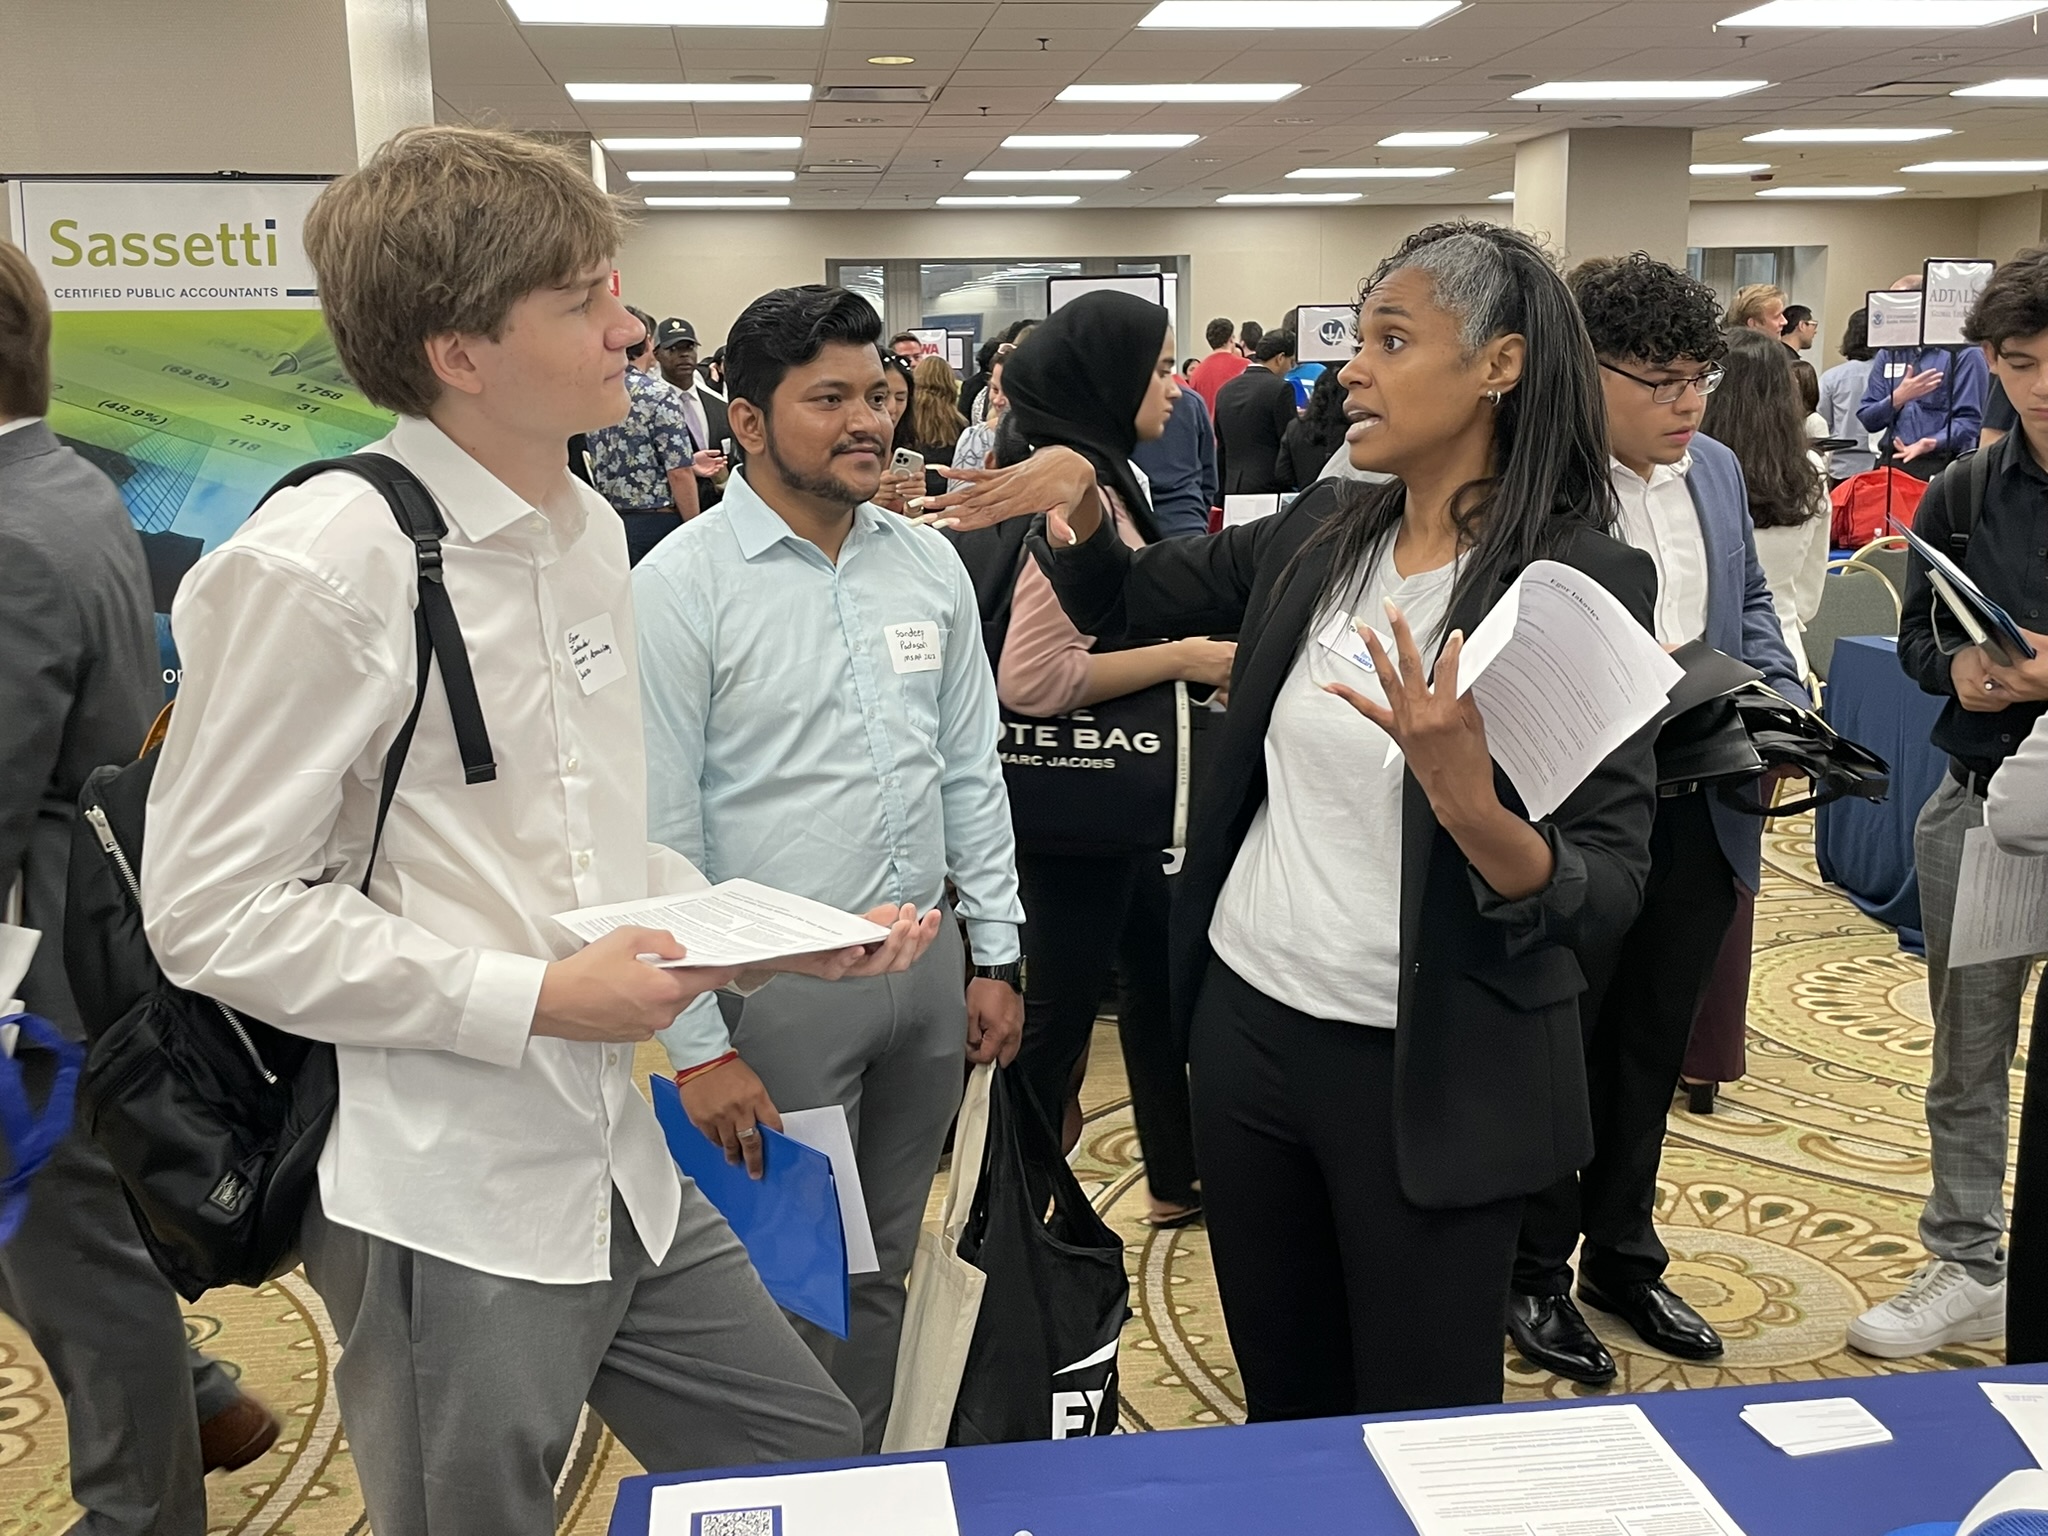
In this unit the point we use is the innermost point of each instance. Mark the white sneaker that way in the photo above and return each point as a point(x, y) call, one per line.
point(1943, 1305)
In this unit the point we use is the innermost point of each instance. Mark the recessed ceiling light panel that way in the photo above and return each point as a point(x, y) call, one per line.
point(891, 60)
point(1008, 202)
point(1370, 172)
point(1934, 15)
point(1290, 197)
point(1729, 168)
point(1846, 135)
point(1977, 167)
point(1639, 90)
point(1074, 175)
point(1073, 141)
point(667, 13)
point(710, 91)
point(2026, 88)
point(715, 142)
point(1274, 15)
point(1830, 191)
point(1448, 138)
point(717, 202)
point(711, 176)
point(1197, 91)
point(1502, 197)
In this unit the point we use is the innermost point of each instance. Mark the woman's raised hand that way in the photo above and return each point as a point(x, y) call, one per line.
point(1056, 481)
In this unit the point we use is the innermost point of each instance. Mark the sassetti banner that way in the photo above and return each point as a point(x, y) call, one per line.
point(189, 358)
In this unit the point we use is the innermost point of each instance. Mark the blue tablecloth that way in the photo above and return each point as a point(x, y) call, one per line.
point(1948, 1447)
point(1867, 849)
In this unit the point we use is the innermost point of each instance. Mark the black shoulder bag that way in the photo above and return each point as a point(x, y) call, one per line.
point(214, 1122)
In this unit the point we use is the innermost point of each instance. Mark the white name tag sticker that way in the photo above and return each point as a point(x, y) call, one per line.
point(1341, 638)
point(915, 646)
point(594, 653)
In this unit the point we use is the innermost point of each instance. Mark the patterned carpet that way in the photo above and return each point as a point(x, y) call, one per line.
point(1787, 1211)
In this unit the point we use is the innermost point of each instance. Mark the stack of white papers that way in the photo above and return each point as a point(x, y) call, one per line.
point(2026, 1409)
point(1566, 1472)
point(1815, 1424)
point(734, 923)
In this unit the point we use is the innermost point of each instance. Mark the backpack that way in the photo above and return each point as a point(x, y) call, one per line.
point(213, 1121)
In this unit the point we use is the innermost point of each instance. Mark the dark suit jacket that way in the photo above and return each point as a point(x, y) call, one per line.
point(1253, 412)
point(717, 429)
point(79, 676)
point(1490, 1091)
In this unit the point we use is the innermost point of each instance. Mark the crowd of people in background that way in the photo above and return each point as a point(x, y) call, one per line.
point(1407, 1051)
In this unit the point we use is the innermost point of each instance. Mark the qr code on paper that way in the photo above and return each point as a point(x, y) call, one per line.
point(765, 1521)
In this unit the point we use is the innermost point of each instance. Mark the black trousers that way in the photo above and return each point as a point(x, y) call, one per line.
point(1635, 1046)
point(1341, 1296)
point(1083, 916)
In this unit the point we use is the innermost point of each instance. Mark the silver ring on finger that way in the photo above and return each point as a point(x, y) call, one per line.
point(751, 1133)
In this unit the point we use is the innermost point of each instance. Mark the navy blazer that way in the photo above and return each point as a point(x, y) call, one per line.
point(1741, 619)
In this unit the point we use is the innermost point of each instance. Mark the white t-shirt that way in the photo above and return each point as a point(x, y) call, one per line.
point(1659, 518)
point(1311, 913)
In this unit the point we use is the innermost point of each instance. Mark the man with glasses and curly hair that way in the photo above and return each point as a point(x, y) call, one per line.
point(1658, 338)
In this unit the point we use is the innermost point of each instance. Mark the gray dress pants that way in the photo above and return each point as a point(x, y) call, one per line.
point(460, 1390)
point(892, 1050)
point(77, 1278)
point(1976, 1030)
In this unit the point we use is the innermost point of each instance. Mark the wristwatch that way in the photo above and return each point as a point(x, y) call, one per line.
point(1011, 973)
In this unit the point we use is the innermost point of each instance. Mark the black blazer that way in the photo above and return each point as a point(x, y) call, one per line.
point(1253, 411)
point(1490, 1081)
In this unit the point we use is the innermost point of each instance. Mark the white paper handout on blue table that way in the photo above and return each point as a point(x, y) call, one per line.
point(737, 922)
point(1809, 1425)
point(825, 1130)
point(908, 1499)
point(1562, 1472)
point(2025, 1407)
point(1562, 674)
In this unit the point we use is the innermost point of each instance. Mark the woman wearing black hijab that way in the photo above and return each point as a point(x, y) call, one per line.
point(1096, 378)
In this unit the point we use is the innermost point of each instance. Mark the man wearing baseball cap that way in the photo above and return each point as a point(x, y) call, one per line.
point(675, 348)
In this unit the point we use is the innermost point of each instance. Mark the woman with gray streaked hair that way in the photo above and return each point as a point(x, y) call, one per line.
point(1384, 956)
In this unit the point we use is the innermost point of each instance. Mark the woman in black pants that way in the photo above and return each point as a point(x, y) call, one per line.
point(1097, 378)
point(1384, 960)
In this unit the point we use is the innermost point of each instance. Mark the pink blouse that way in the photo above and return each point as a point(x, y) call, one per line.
point(1044, 666)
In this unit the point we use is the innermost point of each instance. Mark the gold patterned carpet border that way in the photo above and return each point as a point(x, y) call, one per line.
point(1787, 1211)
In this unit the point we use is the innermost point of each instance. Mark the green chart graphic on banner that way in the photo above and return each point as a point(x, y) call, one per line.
point(188, 357)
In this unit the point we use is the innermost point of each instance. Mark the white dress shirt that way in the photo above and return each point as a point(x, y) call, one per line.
point(1659, 518)
point(17, 424)
point(457, 1133)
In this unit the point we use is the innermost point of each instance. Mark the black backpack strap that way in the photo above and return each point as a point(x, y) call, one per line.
point(437, 634)
point(1962, 521)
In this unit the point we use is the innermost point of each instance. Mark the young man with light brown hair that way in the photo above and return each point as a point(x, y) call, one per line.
point(499, 1234)
point(1760, 307)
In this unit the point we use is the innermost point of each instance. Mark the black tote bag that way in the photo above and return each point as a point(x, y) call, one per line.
point(1043, 1364)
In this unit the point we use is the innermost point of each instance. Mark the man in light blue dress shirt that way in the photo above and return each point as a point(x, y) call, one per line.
point(821, 718)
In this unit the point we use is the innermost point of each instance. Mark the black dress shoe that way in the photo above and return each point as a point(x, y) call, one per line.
point(1659, 1316)
point(1550, 1332)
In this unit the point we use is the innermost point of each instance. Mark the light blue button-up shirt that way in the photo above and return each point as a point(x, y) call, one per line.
point(828, 730)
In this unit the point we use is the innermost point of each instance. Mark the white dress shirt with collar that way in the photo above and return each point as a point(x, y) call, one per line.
point(17, 424)
point(1659, 518)
point(457, 1133)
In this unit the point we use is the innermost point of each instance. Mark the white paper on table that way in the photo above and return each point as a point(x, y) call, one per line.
point(17, 949)
point(907, 1499)
point(2011, 1494)
point(2001, 903)
point(737, 922)
point(2026, 1409)
point(1566, 1470)
point(1809, 1425)
point(1248, 509)
point(825, 1130)
point(1562, 674)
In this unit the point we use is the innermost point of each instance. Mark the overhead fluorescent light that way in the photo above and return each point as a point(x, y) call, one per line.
point(1976, 167)
point(1449, 138)
point(712, 91)
point(1830, 191)
point(1100, 140)
point(704, 176)
point(1075, 175)
point(1639, 90)
point(1290, 197)
point(1201, 91)
point(651, 146)
point(1370, 172)
point(1047, 201)
point(667, 13)
point(1730, 168)
point(1938, 15)
point(1272, 15)
point(1502, 197)
point(2017, 87)
point(717, 202)
point(1846, 135)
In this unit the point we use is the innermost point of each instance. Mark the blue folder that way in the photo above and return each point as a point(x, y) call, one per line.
point(788, 1219)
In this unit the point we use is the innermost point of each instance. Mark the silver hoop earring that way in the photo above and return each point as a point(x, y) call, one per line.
point(1493, 396)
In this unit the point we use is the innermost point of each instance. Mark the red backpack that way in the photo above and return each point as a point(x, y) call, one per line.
point(1864, 505)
